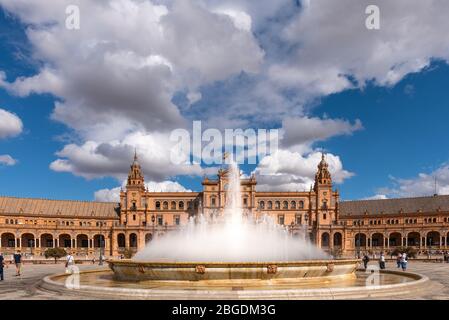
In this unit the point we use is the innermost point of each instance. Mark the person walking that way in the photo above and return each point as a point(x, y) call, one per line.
point(398, 260)
point(18, 262)
point(404, 262)
point(2, 265)
point(70, 261)
point(365, 261)
point(382, 261)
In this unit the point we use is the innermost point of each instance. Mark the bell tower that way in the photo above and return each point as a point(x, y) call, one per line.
point(325, 203)
point(133, 200)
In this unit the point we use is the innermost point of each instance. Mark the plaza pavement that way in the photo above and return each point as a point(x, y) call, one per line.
point(26, 286)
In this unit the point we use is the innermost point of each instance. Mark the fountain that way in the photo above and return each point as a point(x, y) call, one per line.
point(231, 247)
point(234, 256)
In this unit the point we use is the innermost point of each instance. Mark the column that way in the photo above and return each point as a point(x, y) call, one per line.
point(54, 242)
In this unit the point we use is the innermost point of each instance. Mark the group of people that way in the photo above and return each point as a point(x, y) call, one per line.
point(16, 259)
point(401, 261)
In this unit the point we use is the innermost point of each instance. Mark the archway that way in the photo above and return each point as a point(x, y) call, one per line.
point(433, 238)
point(133, 240)
point(99, 241)
point(325, 240)
point(27, 240)
point(46, 240)
point(82, 241)
point(395, 239)
point(413, 239)
point(338, 239)
point(8, 240)
point(377, 240)
point(121, 241)
point(360, 240)
point(65, 241)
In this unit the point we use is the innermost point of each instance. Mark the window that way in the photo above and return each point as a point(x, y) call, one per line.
point(177, 220)
point(165, 205)
point(213, 202)
point(281, 219)
point(173, 205)
point(181, 205)
point(134, 207)
point(160, 220)
point(298, 219)
point(277, 205)
point(134, 217)
point(301, 204)
point(270, 205)
point(158, 205)
point(324, 216)
point(245, 202)
point(293, 204)
point(262, 204)
point(285, 204)
point(189, 205)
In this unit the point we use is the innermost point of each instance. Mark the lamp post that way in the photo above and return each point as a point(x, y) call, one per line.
point(153, 220)
point(100, 263)
point(306, 219)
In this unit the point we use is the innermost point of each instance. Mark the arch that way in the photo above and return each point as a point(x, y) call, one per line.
point(165, 205)
point(413, 239)
point(395, 239)
point(301, 204)
point(8, 240)
point(360, 240)
point(325, 240)
point(262, 204)
point(121, 240)
point(158, 205)
point(293, 204)
point(338, 239)
point(82, 241)
point(173, 205)
point(148, 237)
point(133, 240)
point(65, 241)
point(277, 205)
point(27, 240)
point(433, 238)
point(46, 240)
point(270, 205)
point(181, 205)
point(285, 205)
point(99, 241)
point(377, 240)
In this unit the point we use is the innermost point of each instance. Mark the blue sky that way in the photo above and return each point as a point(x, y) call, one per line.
point(82, 121)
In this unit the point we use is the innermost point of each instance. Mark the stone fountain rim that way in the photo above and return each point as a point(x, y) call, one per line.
point(128, 262)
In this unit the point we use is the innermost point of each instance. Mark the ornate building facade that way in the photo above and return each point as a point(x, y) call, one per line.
point(340, 227)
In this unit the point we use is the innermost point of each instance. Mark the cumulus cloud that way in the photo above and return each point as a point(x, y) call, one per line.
point(421, 185)
point(113, 195)
point(7, 160)
point(10, 124)
point(286, 170)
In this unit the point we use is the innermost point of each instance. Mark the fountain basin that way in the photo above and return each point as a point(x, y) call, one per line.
point(130, 270)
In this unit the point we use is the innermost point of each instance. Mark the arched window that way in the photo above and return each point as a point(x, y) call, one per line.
point(158, 205)
point(181, 205)
point(165, 205)
point(301, 204)
point(262, 204)
point(293, 204)
point(270, 205)
point(173, 205)
point(285, 204)
point(277, 205)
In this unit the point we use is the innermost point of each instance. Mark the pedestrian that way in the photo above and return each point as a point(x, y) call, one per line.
point(70, 261)
point(404, 261)
point(93, 260)
point(398, 260)
point(2, 265)
point(382, 261)
point(365, 261)
point(18, 262)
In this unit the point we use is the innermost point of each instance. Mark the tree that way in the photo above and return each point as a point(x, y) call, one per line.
point(411, 252)
point(55, 253)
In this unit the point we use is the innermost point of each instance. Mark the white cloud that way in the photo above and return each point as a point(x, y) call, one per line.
point(377, 197)
point(113, 195)
point(10, 124)
point(7, 160)
point(286, 170)
point(421, 185)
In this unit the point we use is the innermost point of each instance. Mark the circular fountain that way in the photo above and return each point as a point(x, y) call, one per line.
point(234, 256)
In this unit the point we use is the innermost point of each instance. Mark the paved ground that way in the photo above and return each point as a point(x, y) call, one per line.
point(25, 286)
